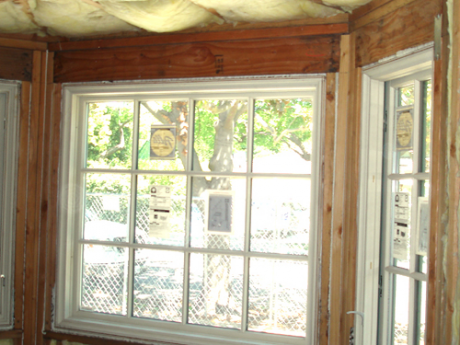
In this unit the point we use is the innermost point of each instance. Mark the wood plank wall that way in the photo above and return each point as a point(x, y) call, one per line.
point(378, 30)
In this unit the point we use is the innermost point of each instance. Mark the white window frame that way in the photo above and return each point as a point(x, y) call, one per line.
point(68, 315)
point(9, 134)
point(370, 194)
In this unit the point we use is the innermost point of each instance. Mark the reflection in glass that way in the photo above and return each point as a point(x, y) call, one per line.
point(158, 284)
point(220, 135)
point(283, 136)
point(278, 296)
point(400, 310)
point(216, 290)
point(109, 135)
point(406, 95)
point(107, 207)
point(158, 227)
point(163, 115)
point(104, 285)
point(426, 127)
point(401, 223)
point(218, 212)
point(280, 219)
point(404, 143)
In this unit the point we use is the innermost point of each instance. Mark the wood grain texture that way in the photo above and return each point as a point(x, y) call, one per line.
point(21, 205)
point(407, 27)
point(88, 340)
point(275, 56)
point(22, 44)
point(15, 64)
point(12, 334)
point(326, 232)
point(336, 318)
point(436, 279)
point(53, 149)
point(366, 9)
point(234, 35)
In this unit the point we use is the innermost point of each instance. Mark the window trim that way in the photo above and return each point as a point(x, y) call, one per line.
point(67, 315)
point(9, 197)
point(374, 77)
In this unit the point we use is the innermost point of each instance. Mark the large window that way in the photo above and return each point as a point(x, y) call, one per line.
point(8, 170)
point(186, 211)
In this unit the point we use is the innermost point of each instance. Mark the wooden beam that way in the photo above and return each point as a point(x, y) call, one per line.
point(15, 64)
point(13, 334)
point(89, 340)
point(22, 44)
point(326, 233)
point(406, 27)
point(255, 57)
point(365, 9)
point(234, 35)
point(336, 318)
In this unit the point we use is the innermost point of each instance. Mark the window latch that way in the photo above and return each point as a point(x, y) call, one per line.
point(2, 277)
point(360, 313)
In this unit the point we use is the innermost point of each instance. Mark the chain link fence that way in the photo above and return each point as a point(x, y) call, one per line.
point(215, 281)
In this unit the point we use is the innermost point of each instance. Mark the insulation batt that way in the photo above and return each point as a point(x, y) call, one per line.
point(13, 19)
point(74, 18)
point(267, 10)
point(348, 5)
point(160, 15)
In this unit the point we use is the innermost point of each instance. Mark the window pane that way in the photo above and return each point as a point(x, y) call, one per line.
point(401, 224)
point(280, 221)
point(107, 207)
point(423, 231)
point(163, 223)
point(421, 313)
point(158, 284)
point(400, 310)
point(216, 290)
point(109, 136)
point(278, 296)
point(283, 136)
point(163, 133)
point(406, 95)
point(404, 149)
point(104, 286)
point(218, 212)
point(220, 135)
point(426, 127)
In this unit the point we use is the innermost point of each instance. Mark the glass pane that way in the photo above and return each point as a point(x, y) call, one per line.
point(220, 135)
point(404, 142)
point(280, 221)
point(406, 95)
point(163, 222)
point(163, 133)
point(218, 212)
point(401, 224)
point(105, 272)
point(278, 296)
point(158, 284)
point(423, 227)
point(109, 136)
point(283, 136)
point(107, 207)
point(400, 310)
point(216, 290)
point(426, 127)
point(421, 313)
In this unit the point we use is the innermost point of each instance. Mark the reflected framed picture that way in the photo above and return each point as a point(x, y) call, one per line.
point(219, 211)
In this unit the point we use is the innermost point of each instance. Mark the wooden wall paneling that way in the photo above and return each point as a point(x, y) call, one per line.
point(15, 64)
point(21, 205)
point(22, 44)
point(51, 229)
point(451, 256)
point(234, 35)
point(209, 59)
point(45, 172)
point(436, 280)
point(406, 27)
point(350, 229)
point(327, 184)
point(33, 199)
point(335, 318)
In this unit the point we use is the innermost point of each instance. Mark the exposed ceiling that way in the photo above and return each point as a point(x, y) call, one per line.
point(83, 18)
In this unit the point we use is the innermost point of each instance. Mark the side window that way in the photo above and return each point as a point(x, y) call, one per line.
point(405, 220)
point(8, 166)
